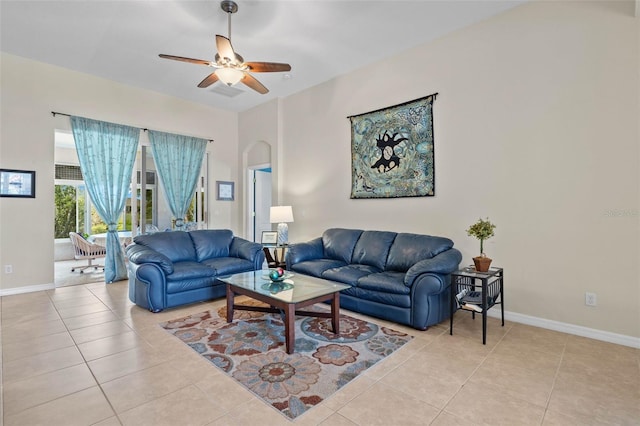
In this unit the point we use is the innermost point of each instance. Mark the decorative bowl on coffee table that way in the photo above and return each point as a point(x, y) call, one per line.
point(275, 277)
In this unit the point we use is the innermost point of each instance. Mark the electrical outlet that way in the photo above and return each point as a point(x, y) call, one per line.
point(8, 269)
point(590, 299)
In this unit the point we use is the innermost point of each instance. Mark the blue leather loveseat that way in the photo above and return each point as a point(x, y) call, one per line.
point(400, 277)
point(168, 269)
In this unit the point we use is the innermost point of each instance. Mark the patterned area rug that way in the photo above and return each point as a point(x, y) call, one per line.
point(251, 350)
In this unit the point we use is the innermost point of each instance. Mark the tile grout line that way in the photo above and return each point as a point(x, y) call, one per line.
point(553, 384)
point(78, 349)
point(85, 360)
point(145, 340)
point(443, 410)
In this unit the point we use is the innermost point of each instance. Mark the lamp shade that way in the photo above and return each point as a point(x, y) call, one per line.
point(281, 214)
point(229, 76)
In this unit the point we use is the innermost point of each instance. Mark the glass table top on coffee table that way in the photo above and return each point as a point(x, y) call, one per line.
point(294, 288)
point(295, 291)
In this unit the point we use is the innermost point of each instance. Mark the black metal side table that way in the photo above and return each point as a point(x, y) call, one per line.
point(278, 259)
point(479, 292)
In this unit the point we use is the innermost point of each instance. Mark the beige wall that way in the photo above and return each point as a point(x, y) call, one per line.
point(30, 91)
point(536, 127)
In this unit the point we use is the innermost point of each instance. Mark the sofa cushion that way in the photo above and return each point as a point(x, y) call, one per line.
point(229, 265)
point(339, 243)
point(392, 299)
point(317, 267)
point(301, 252)
point(139, 254)
point(210, 243)
point(372, 248)
point(176, 245)
point(243, 249)
point(182, 286)
point(409, 249)
point(190, 270)
point(349, 274)
point(386, 282)
point(351, 291)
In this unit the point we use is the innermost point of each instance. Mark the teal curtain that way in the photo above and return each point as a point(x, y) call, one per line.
point(178, 162)
point(107, 153)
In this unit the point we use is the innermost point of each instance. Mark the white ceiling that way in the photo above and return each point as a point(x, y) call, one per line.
point(121, 40)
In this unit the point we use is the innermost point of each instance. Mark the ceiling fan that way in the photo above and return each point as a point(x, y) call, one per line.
point(230, 66)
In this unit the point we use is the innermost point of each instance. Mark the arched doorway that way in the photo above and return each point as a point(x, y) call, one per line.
point(258, 184)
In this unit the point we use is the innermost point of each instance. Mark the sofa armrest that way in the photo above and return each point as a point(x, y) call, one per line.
point(148, 286)
point(300, 252)
point(140, 254)
point(443, 263)
point(248, 250)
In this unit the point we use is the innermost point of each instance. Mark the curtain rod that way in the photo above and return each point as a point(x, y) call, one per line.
point(433, 95)
point(54, 113)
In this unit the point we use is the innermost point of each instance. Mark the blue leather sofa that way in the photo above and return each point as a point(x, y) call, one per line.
point(168, 269)
point(400, 277)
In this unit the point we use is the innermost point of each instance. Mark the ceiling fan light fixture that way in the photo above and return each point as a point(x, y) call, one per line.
point(229, 76)
point(230, 67)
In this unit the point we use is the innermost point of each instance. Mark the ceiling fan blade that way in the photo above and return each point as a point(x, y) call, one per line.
point(225, 50)
point(183, 59)
point(209, 80)
point(250, 81)
point(267, 67)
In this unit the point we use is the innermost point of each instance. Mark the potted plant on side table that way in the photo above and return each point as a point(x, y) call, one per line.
point(482, 230)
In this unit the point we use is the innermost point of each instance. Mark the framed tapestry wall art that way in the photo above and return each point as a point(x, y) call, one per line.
point(392, 151)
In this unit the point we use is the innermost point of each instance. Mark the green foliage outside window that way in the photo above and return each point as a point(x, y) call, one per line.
point(65, 209)
point(97, 224)
point(66, 219)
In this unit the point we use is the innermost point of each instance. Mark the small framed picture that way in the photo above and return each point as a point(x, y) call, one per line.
point(269, 238)
point(17, 183)
point(225, 190)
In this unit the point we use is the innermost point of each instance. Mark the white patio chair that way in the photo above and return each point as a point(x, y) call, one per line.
point(85, 250)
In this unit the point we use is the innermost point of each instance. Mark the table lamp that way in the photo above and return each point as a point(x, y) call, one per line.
point(281, 215)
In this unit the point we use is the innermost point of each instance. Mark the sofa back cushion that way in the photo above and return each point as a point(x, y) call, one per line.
point(409, 249)
point(211, 243)
point(372, 248)
point(339, 243)
point(176, 245)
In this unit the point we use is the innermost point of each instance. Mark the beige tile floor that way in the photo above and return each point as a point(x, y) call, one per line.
point(64, 277)
point(84, 355)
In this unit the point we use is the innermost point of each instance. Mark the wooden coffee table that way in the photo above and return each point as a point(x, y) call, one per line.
point(285, 297)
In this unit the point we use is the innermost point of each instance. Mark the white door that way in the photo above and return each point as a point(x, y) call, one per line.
point(262, 199)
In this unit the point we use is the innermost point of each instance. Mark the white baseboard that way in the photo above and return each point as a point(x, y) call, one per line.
point(27, 289)
point(564, 327)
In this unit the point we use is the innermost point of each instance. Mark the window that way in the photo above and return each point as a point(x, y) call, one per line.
point(69, 210)
point(75, 212)
point(150, 213)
